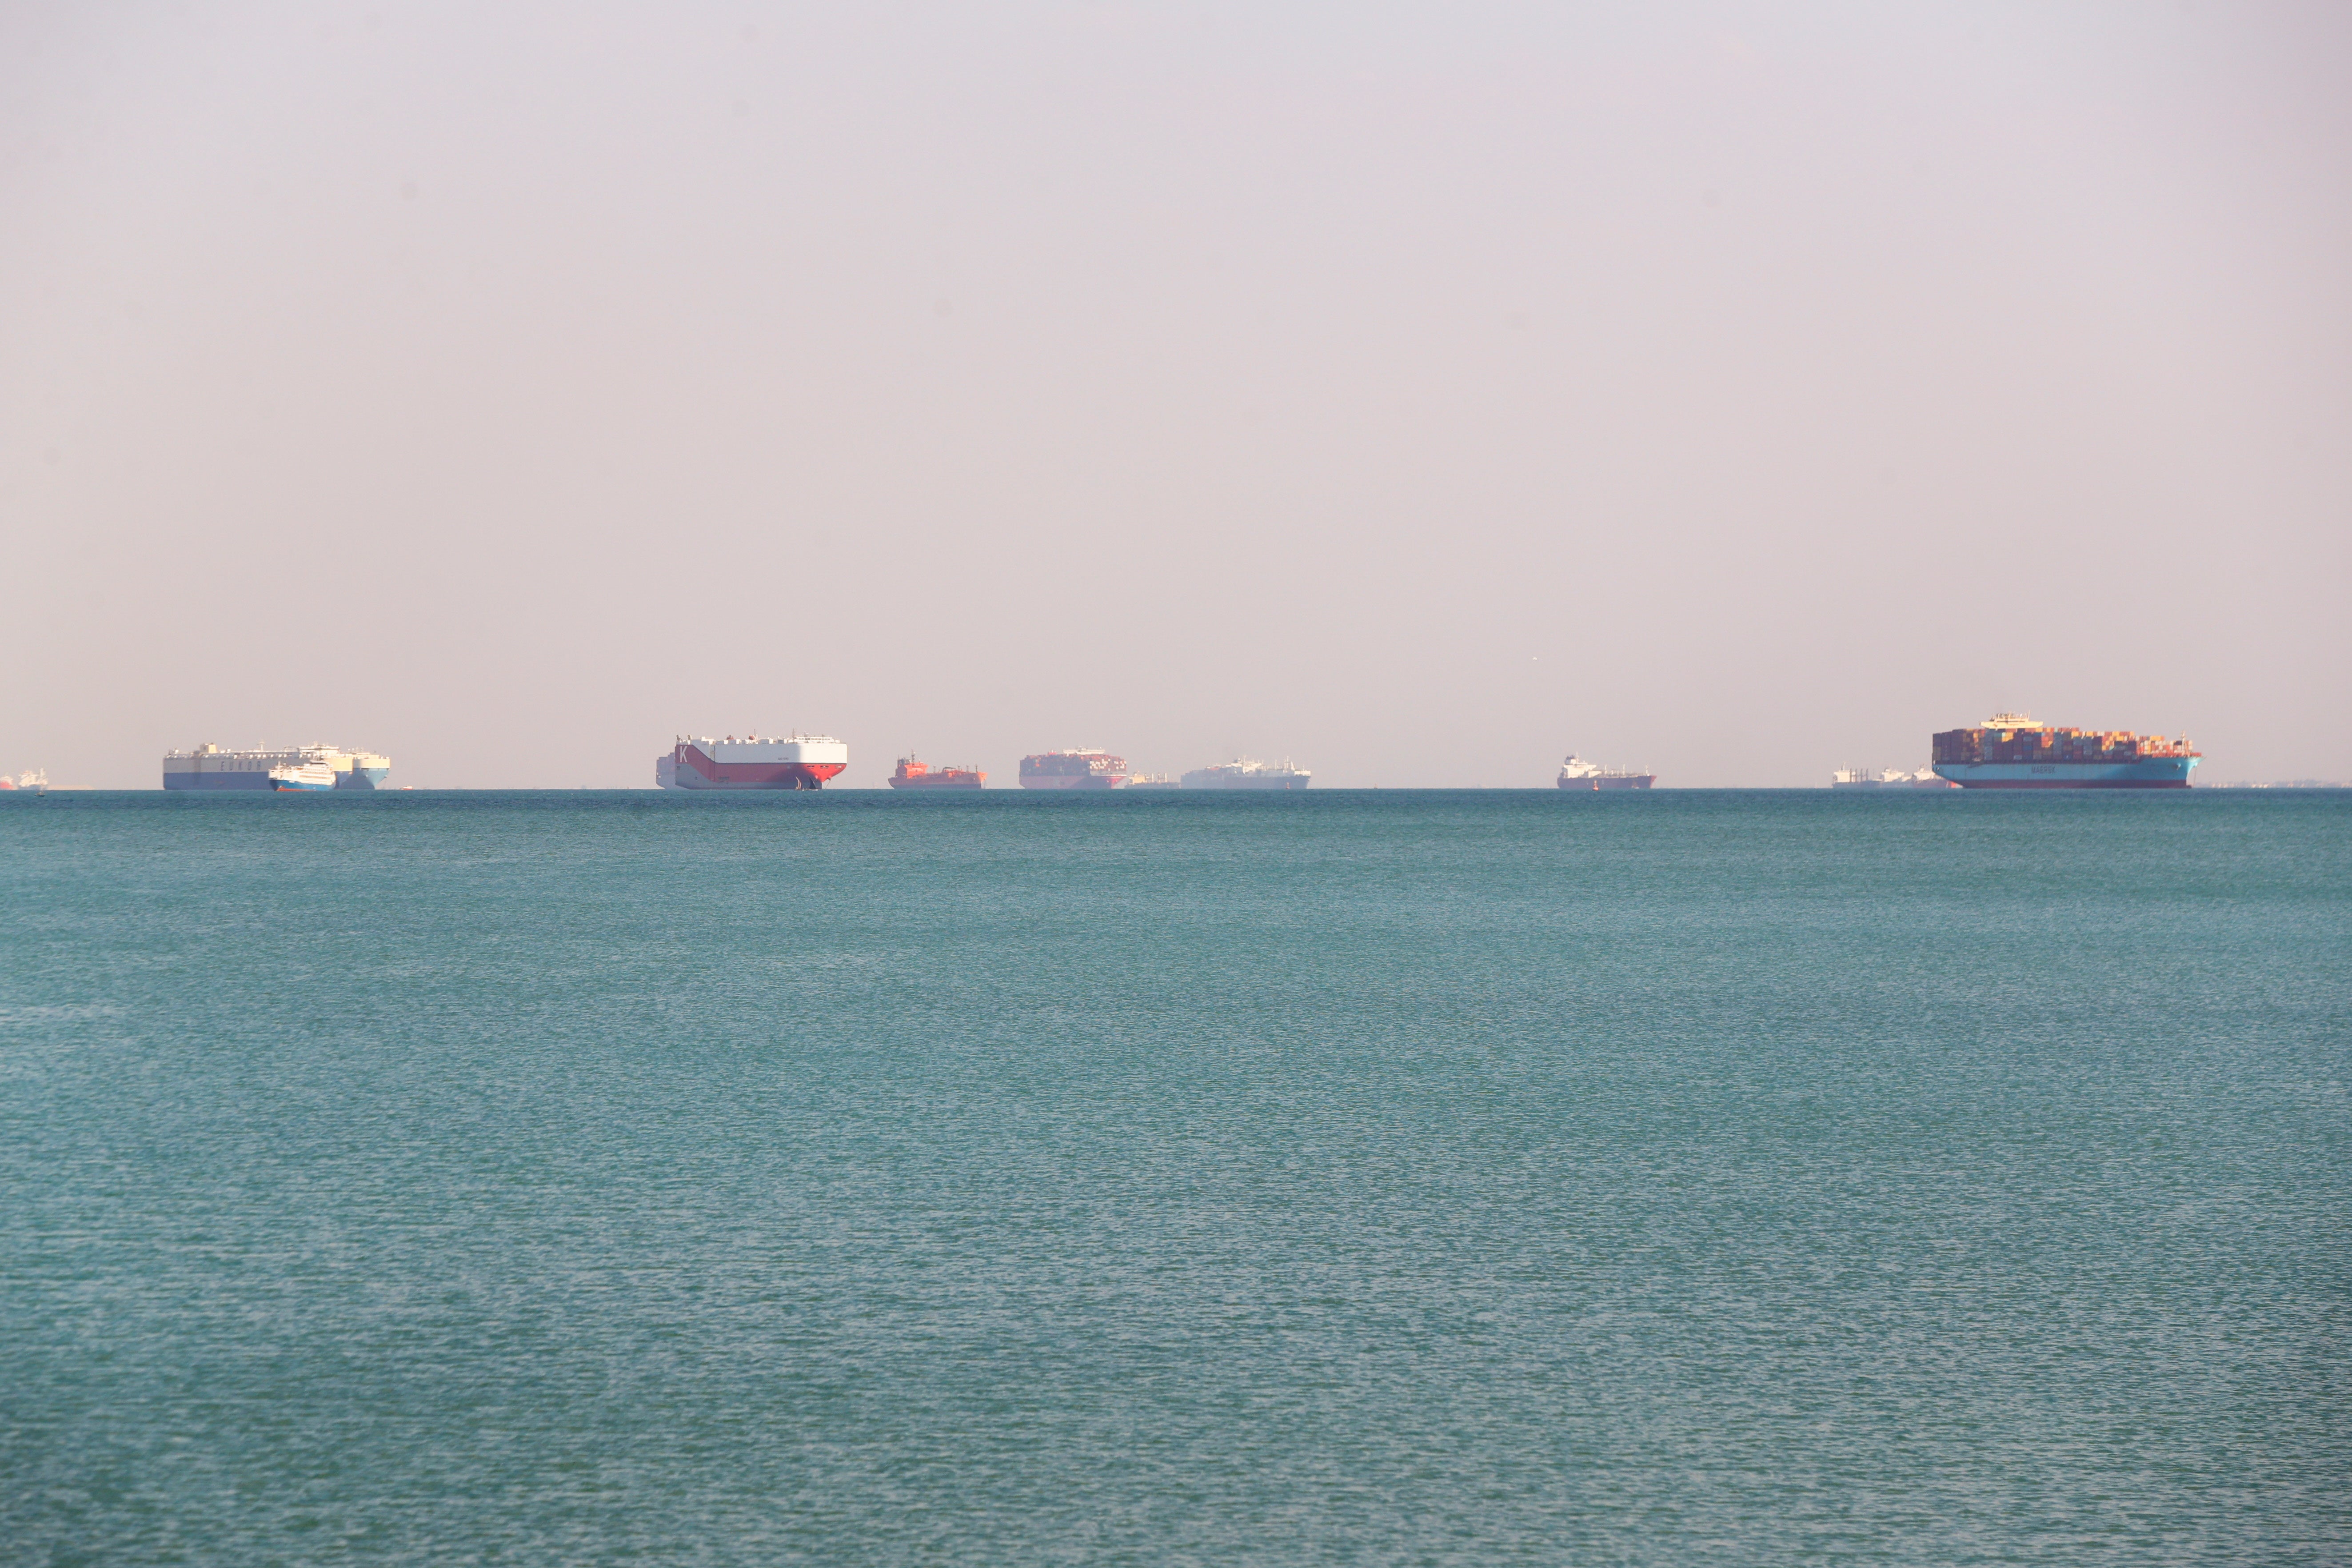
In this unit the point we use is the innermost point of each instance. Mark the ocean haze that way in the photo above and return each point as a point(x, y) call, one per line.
point(1420, 395)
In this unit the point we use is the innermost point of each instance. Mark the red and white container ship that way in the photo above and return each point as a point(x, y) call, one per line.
point(750, 762)
point(1084, 768)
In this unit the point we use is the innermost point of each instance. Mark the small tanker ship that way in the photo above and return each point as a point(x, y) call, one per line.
point(2010, 751)
point(750, 762)
point(916, 775)
point(1578, 773)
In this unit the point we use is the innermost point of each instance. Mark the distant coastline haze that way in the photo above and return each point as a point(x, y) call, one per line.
point(1732, 391)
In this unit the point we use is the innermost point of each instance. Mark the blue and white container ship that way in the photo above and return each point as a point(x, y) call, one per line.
point(2011, 750)
point(209, 767)
point(304, 777)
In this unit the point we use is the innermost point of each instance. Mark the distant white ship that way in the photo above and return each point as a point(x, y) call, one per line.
point(302, 776)
point(1889, 778)
point(1243, 772)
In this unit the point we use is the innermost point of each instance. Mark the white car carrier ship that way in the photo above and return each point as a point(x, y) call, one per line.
point(750, 762)
point(208, 767)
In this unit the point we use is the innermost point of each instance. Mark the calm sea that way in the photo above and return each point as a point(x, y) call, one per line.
point(1338, 1178)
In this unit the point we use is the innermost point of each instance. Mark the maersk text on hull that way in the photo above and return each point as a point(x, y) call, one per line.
point(2156, 772)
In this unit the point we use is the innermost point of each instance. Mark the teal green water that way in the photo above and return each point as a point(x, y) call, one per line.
point(1382, 1177)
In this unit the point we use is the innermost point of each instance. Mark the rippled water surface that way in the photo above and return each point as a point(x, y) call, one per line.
point(1384, 1177)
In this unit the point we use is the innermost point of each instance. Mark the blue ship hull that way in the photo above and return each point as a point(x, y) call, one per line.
point(258, 778)
point(2153, 772)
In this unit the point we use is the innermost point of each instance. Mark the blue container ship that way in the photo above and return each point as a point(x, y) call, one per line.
point(2011, 750)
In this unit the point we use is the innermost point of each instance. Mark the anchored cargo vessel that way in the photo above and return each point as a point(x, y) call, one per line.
point(2010, 751)
point(750, 762)
point(1578, 773)
point(1890, 778)
point(1083, 768)
point(1242, 772)
point(914, 775)
point(208, 767)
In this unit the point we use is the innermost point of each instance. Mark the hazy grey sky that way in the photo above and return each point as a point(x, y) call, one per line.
point(1418, 391)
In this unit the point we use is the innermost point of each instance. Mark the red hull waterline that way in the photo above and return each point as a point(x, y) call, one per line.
point(697, 770)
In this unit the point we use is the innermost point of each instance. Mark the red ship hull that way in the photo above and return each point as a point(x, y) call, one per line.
point(697, 770)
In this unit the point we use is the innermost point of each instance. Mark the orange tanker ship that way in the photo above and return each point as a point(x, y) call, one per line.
point(913, 774)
